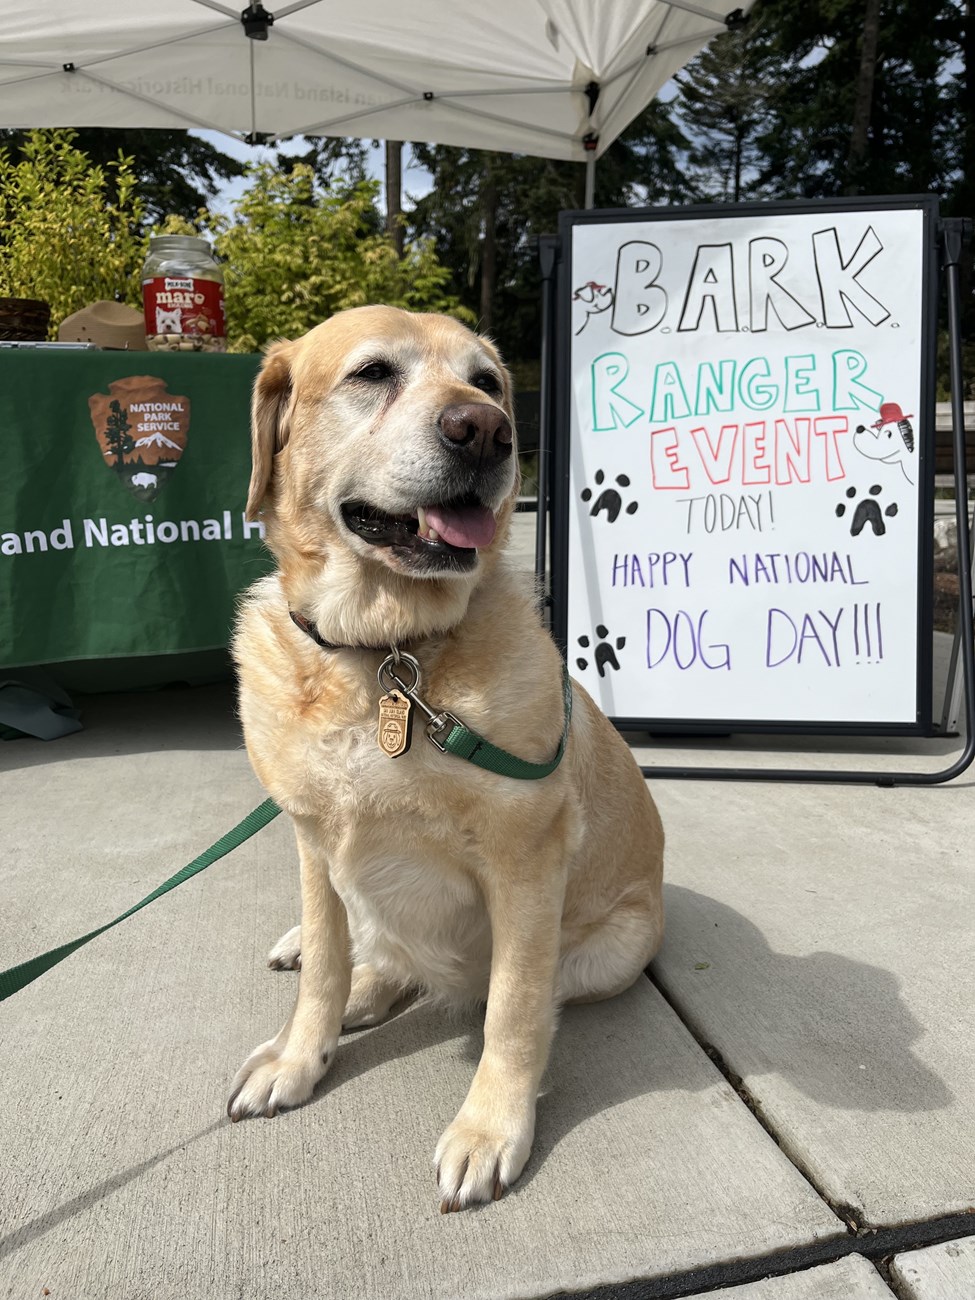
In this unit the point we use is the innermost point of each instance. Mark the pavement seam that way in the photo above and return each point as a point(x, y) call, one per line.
point(877, 1245)
point(851, 1216)
point(875, 1242)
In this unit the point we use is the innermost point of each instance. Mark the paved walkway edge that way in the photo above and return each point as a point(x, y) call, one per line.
point(873, 1243)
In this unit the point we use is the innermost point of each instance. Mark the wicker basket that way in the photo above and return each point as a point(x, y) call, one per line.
point(23, 320)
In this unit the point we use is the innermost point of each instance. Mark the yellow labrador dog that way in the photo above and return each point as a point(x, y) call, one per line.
point(384, 461)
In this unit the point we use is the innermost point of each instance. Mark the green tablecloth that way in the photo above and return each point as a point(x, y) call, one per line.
point(122, 495)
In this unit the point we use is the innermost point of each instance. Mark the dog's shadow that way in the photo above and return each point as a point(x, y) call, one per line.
point(608, 1054)
point(835, 1028)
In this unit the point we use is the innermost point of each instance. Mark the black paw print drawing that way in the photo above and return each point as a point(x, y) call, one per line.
point(609, 499)
point(605, 653)
point(867, 512)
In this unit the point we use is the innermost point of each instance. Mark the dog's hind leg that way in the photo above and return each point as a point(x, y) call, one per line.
point(600, 960)
point(372, 997)
point(373, 994)
point(286, 953)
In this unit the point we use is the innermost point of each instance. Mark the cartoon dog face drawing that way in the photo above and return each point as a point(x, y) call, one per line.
point(594, 299)
point(889, 439)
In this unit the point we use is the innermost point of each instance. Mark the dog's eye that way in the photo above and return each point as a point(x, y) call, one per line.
point(374, 372)
point(487, 382)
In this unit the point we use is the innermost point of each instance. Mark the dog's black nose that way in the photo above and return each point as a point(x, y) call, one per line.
point(478, 430)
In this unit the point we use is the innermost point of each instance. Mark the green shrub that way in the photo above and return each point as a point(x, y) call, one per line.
point(70, 233)
point(294, 255)
point(293, 252)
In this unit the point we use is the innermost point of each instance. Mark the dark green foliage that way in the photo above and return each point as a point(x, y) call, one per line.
point(815, 51)
point(725, 99)
point(178, 173)
point(527, 194)
point(332, 158)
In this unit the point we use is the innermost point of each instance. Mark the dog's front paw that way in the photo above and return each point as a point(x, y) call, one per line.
point(286, 953)
point(478, 1160)
point(272, 1079)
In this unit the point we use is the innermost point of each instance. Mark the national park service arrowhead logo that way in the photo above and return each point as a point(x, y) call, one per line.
point(141, 430)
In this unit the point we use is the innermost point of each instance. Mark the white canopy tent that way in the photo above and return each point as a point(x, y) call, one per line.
point(553, 78)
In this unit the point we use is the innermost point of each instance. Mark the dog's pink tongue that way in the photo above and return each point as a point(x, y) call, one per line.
point(469, 526)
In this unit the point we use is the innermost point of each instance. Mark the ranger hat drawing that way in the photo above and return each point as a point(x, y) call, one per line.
point(889, 439)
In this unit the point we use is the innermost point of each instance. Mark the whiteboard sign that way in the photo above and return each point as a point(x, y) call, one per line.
point(744, 530)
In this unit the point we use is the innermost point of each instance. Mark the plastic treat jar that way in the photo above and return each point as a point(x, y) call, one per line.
point(182, 296)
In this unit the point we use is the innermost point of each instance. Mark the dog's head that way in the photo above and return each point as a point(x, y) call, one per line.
point(385, 463)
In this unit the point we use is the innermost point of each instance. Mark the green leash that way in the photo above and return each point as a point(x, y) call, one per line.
point(445, 731)
point(468, 744)
point(451, 736)
point(18, 977)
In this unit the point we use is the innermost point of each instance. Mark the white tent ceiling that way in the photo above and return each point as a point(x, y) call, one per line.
point(509, 75)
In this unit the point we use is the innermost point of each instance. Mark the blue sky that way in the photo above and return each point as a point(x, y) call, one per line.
point(416, 180)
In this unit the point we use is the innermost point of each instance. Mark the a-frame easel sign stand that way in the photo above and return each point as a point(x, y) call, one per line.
point(737, 462)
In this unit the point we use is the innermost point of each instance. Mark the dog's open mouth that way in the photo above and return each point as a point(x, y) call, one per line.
point(433, 537)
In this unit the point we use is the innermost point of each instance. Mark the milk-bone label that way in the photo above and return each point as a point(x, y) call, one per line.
point(183, 305)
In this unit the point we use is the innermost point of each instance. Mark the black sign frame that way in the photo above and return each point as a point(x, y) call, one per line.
point(559, 346)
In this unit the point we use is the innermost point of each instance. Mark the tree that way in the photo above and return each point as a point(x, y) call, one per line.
point(70, 233)
point(178, 173)
point(813, 142)
point(294, 254)
point(863, 100)
point(724, 96)
point(489, 202)
point(482, 214)
point(647, 164)
point(117, 433)
point(486, 210)
point(331, 158)
point(958, 29)
point(394, 194)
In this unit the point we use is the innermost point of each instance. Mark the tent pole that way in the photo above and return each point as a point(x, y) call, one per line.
point(590, 179)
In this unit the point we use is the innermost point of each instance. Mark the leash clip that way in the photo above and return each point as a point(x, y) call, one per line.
point(392, 677)
point(441, 725)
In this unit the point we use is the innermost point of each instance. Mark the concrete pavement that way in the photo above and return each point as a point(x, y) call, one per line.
point(942, 1272)
point(785, 1109)
point(852, 1278)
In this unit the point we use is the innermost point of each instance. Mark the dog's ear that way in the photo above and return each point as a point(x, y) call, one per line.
point(270, 420)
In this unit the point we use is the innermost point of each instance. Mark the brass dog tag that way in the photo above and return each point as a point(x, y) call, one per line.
point(395, 724)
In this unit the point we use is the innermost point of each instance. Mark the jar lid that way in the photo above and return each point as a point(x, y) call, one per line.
point(184, 243)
